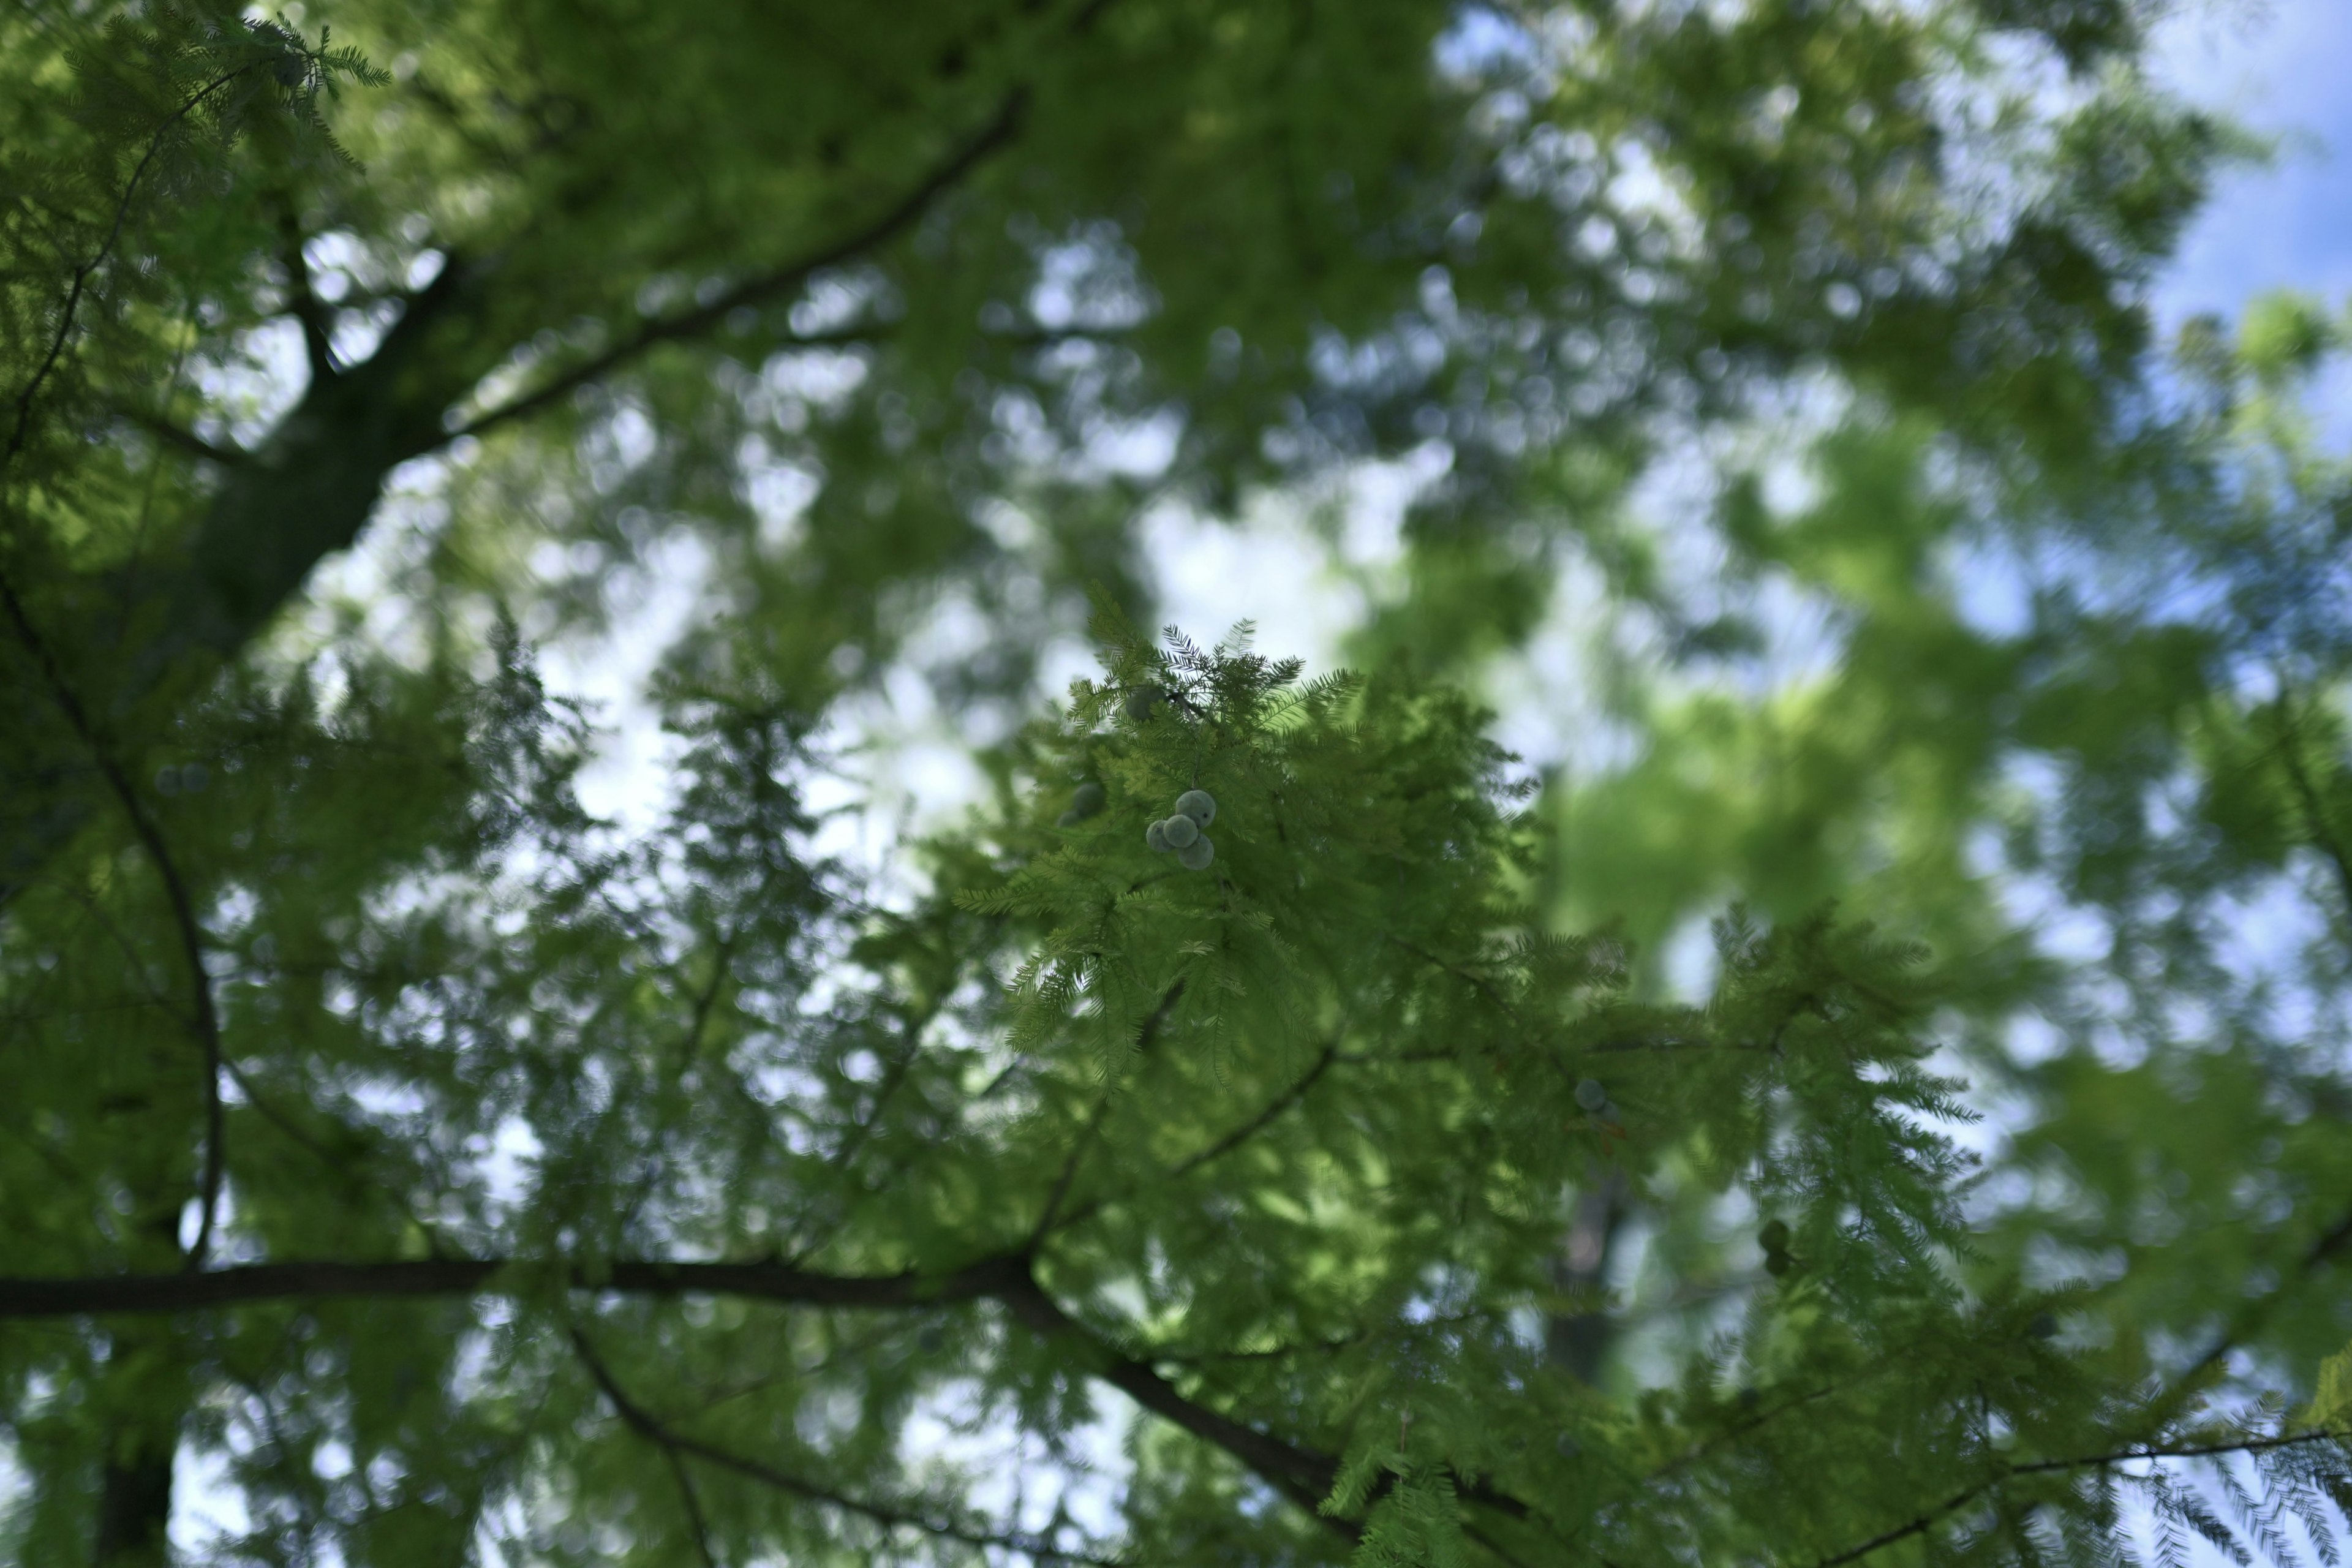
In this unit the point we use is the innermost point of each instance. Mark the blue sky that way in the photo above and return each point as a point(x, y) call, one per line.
point(2288, 76)
point(2283, 68)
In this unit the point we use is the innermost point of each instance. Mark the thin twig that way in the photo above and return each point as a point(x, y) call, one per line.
point(1477, 980)
point(649, 1425)
point(1230, 1141)
point(655, 1433)
point(317, 345)
point(205, 1019)
point(1960, 1500)
point(1061, 1190)
point(82, 274)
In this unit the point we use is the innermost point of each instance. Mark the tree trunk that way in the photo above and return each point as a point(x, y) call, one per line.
point(134, 1498)
point(93, 654)
point(1579, 1341)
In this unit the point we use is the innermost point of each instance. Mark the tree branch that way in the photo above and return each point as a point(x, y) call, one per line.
point(1061, 1190)
point(768, 286)
point(1234, 1139)
point(178, 435)
point(1960, 1500)
point(675, 1444)
point(205, 1016)
point(660, 1438)
point(204, 1019)
point(261, 1283)
point(1302, 1475)
point(80, 283)
point(318, 343)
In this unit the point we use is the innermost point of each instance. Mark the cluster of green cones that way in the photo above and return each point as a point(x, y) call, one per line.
point(1183, 833)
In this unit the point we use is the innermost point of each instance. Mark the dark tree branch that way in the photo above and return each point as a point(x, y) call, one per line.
point(205, 1016)
point(1153, 1024)
point(769, 285)
point(676, 1443)
point(1230, 1141)
point(693, 1501)
point(1258, 1123)
point(178, 435)
point(262, 1283)
point(204, 1019)
point(79, 285)
point(1960, 1500)
point(317, 342)
point(660, 1437)
point(1302, 1475)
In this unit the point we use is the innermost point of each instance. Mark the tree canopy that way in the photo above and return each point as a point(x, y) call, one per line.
point(1876, 1097)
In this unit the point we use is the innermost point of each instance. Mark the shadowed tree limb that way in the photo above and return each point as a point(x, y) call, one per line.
point(677, 1447)
point(1229, 1142)
point(767, 287)
point(309, 491)
point(1145, 1036)
point(259, 1283)
point(1302, 1475)
point(1960, 1500)
point(181, 437)
point(204, 1019)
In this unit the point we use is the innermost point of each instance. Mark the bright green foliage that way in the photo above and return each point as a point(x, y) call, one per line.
point(463, 1177)
point(1282, 1145)
point(2151, 759)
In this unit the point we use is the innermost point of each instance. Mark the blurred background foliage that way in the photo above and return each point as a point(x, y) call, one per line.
point(1780, 377)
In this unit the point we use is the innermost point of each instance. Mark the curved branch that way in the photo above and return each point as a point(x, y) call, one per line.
point(768, 286)
point(676, 1443)
point(205, 1018)
point(83, 273)
point(1302, 1475)
point(1144, 1037)
point(1230, 1141)
point(1960, 1500)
